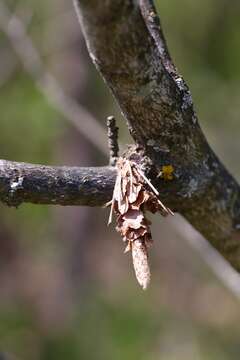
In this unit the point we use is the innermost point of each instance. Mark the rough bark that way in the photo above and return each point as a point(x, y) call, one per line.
point(39, 184)
point(126, 43)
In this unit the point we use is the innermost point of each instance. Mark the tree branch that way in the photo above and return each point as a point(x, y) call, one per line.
point(126, 43)
point(39, 184)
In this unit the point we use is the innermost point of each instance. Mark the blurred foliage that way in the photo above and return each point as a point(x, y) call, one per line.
point(119, 329)
point(28, 124)
point(49, 307)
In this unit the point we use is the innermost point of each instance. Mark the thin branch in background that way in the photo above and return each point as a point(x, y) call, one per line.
point(216, 263)
point(22, 44)
point(9, 63)
point(112, 140)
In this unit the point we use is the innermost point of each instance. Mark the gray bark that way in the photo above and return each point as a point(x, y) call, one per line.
point(39, 184)
point(126, 43)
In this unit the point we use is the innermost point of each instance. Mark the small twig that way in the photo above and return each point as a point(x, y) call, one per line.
point(112, 140)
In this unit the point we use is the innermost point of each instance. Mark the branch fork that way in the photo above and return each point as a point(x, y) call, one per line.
point(126, 43)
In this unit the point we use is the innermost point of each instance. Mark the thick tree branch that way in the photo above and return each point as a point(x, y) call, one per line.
point(39, 184)
point(152, 96)
point(126, 44)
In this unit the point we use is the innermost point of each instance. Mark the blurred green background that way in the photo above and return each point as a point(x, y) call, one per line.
point(67, 291)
